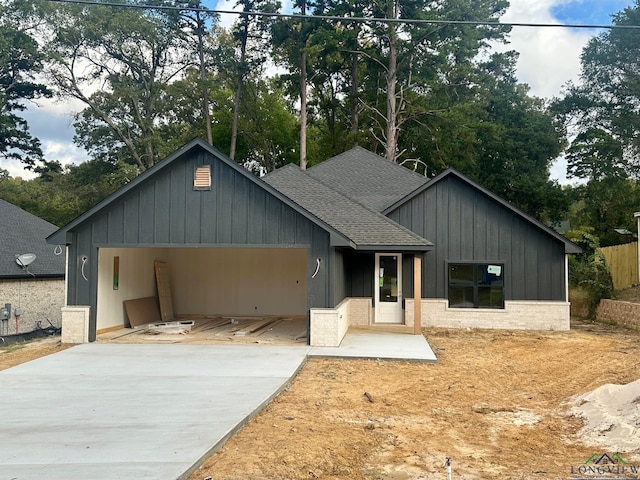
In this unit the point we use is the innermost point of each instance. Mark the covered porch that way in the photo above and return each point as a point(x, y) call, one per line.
point(374, 290)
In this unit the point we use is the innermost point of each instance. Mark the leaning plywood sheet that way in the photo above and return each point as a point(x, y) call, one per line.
point(164, 291)
point(142, 311)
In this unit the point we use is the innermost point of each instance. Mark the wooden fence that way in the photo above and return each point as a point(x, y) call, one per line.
point(622, 261)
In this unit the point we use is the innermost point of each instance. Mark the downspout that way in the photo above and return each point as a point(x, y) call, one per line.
point(66, 276)
point(637, 216)
point(566, 277)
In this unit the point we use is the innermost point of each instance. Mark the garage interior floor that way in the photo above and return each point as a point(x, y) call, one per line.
point(219, 329)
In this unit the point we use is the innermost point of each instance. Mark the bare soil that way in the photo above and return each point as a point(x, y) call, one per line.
point(497, 403)
point(24, 352)
point(629, 295)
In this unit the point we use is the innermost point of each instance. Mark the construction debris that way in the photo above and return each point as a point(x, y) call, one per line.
point(172, 328)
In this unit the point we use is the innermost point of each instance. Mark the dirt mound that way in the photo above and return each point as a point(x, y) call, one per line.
point(612, 416)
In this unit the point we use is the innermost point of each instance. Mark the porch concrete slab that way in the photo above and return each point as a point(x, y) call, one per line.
point(387, 346)
point(114, 411)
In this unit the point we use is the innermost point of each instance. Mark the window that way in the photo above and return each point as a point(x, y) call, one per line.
point(476, 285)
point(202, 178)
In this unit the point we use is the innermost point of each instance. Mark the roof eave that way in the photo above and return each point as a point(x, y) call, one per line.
point(395, 248)
point(63, 235)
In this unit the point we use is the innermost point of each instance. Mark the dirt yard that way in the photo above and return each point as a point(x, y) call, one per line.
point(24, 352)
point(496, 403)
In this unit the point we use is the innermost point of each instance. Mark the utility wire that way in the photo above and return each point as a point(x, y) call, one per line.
point(334, 18)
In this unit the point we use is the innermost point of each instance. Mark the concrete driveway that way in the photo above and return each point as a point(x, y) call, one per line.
point(103, 411)
point(112, 411)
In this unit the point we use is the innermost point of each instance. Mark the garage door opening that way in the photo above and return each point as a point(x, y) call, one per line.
point(224, 291)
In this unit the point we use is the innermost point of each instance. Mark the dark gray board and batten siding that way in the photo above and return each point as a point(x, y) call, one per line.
point(164, 210)
point(466, 225)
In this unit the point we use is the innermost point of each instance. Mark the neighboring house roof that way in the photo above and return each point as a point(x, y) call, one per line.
point(371, 180)
point(23, 233)
point(570, 247)
point(365, 228)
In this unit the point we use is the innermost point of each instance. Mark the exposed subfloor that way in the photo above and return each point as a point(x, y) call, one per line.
point(218, 329)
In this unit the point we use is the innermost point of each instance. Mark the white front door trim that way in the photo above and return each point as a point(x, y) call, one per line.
point(388, 288)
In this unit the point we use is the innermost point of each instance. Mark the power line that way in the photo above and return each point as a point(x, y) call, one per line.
point(335, 18)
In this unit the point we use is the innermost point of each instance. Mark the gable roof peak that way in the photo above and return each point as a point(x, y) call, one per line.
point(367, 178)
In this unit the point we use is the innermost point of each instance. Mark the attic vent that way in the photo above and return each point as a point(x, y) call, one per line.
point(202, 178)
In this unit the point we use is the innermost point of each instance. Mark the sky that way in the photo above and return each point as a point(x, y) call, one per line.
point(549, 58)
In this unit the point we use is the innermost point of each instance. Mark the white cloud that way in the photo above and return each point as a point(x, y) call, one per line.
point(16, 169)
point(228, 19)
point(549, 57)
point(51, 121)
point(64, 152)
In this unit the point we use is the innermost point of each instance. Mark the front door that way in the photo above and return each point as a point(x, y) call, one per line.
point(388, 288)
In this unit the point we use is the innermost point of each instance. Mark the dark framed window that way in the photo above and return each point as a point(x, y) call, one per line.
point(476, 285)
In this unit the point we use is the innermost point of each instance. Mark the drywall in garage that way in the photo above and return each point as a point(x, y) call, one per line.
point(239, 281)
point(226, 281)
point(136, 280)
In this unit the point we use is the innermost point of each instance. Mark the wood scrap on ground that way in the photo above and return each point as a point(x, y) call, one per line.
point(253, 327)
point(171, 328)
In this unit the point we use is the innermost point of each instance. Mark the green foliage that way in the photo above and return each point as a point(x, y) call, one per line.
point(602, 108)
point(138, 73)
point(605, 205)
point(60, 195)
point(119, 62)
point(20, 61)
point(500, 136)
point(588, 270)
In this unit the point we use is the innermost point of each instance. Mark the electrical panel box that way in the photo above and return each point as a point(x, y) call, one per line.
point(5, 312)
point(17, 311)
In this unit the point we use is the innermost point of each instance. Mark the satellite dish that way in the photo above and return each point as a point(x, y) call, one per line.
point(25, 259)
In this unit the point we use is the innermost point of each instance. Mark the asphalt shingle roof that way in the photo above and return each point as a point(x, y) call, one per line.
point(21, 233)
point(364, 227)
point(371, 180)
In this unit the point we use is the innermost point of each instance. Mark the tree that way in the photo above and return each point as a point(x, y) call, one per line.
point(518, 141)
point(422, 70)
point(195, 17)
point(291, 48)
point(20, 61)
point(602, 109)
point(595, 154)
point(59, 194)
point(268, 127)
point(588, 270)
point(247, 31)
point(604, 206)
point(119, 62)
